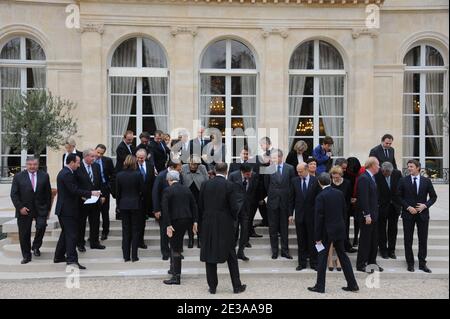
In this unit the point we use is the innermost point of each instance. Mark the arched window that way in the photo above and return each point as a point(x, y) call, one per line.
point(138, 89)
point(228, 86)
point(316, 95)
point(22, 68)
point(424, 104)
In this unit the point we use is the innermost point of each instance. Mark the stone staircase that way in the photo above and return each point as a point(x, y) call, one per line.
point(109, 262)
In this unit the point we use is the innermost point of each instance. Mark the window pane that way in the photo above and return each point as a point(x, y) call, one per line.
point(412, 83)
point(125, 54)
point(123, 85)
point(435, 83)
point(434, 104)
point(152, 55)
point(434, 125)
point(302, 126)
point(411, 147)
point(303, 57)
point(331, 126)
point(36, 78)
point(10, 77)
point(120, 124)
point(10, 166)
point(34, 50)
point(433, 57)
point(123, 105)
point(301, 85)
point(301, 106)
point(338, 146)
point(241, 56)
point(331, 106)
point(243, 123)
point(150, 124)
point(11, 50)
point(411, 104)
point(308, 141)
point(212, 85)
point(154, 105)
point(214, 122)
point(330, 59)
point(434, 167)
point(243, 85)
point(412, 58)
point(411, 125)
point(215, 56)
point(154, 85)
point(331, 85)
point(433, 146)
point(212, 105)
point(243, 106)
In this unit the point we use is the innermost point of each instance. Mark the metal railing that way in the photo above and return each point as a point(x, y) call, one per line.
point(438, 176)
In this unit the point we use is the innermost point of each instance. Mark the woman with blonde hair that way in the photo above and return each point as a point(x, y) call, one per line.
point(298, 154)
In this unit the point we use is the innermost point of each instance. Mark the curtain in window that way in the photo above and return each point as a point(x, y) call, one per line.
point(248, 87)
point(158, 86)
point(434, 107)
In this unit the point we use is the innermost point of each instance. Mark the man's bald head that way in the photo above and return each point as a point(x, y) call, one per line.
point(302, 169)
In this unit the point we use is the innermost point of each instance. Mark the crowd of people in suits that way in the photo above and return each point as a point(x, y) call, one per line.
point(187, 187)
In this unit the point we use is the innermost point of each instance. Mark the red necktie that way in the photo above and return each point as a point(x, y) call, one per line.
point(33, 182)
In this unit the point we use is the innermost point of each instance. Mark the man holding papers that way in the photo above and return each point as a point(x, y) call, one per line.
point(330, 228)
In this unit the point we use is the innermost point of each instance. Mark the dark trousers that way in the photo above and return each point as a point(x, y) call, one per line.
point(142, 224)
point(278, 223)
point(211, 271)
point(181, 226)
point(242, 232)
point(422, 232)
point(105, 214)
point(343, 258)
point(347, 243)
point(387, 230)
point(68, 239)
point(130, 233)
point(306, 243)
point(24, 224)
point(368, 244)
point(264, 213)
point(164, 240)
point(91, 212)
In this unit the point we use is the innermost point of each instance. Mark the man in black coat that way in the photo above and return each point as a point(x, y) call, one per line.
point(219, 204)
point(68, 212)
point(160, 151)
point(278, 187)
point(88, 177)
point(197, 145)
point(31, 195)
point(246, 183)
point(416, 195)
point(107, 177)
point(304, 190)
point(124, 149)
point(367, 201)
point(330, 229)
point(389, 208)
point(384, 152)
point(147, 171)
point(70, 146)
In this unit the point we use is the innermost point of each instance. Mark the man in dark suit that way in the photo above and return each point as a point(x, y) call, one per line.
point(304, 189)
point(416, 195)
point(31, 195)
point(70, 146)
point(157, 191)
point(68, 211)
point(197, 145)
point(107, 177)
point(147, 171)
point(330, 229)
point(278, 187)
point(389, 208)
point(219, 203)
point(367, 202)
point(88, 177)
point(262, 162)
point(160, 151)
point(246, 183)
point(384, 152)
point(124, 149)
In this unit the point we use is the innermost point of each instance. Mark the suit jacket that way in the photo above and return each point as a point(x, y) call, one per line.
point(197, 178)
point(122, 152)
point(158, 187)
point(329, 222)
point(323, 161)
point(77, 152)
point(278, 189)
point(83, 180)
point(248, 196)
point(160, 153)
point(292, 159)
point(109, 173)
point(236, 166)
point(367, 197)
point(196, 148)
point(378, 152)
point(304, 206)
point(69, 193)
point(148, 186)
point(219, 209)
point(388, 197)
point(177, 203)
point(22, 194)
point(129, 188)
point(409, 197)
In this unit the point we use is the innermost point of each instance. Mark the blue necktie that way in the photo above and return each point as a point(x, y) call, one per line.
point(279, 169)
point(99, 162)
point(91, 177)
point(141, 167)
point(304, 186)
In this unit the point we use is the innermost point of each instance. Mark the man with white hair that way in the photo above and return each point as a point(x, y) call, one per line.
point(70, 146)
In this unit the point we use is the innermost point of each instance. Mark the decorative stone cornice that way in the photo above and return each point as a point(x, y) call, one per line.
point(92, 27)
point(357, 32)
point(179, 29)
point(267, 2)
point(282, 32)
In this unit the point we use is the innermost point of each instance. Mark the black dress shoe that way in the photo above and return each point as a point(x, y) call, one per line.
point(410, 268)
point(143, 246)
point(363, 269)
point(181, 256)
point(300, 267)
point(239, 289)
point(315, 289)
point(191, 243)
point(198, 244)
point(242, 257)
point(25, 261)
point(104, 237)
point(351, 250)
point(286, 255)
point(134, 259)
point(174, 280)
point(126, 260)
point(81, 267)
point(392, 256)
point(275, 256)
point(59, 260)
point(425, 269)
point(98, 246)
point(380, 269)
point(81, 249)
point(384, 256)
point(170, 272)
point(255, 235)
point(165, 257)
point(330, 268)
point(248, 245)
point(352, 289)
point(212, 291)
point(37, 252)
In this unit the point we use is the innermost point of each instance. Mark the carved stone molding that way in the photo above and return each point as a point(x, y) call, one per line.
point(92, 27)
point(282, 32)
point(178, 29)
point(357, 32)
